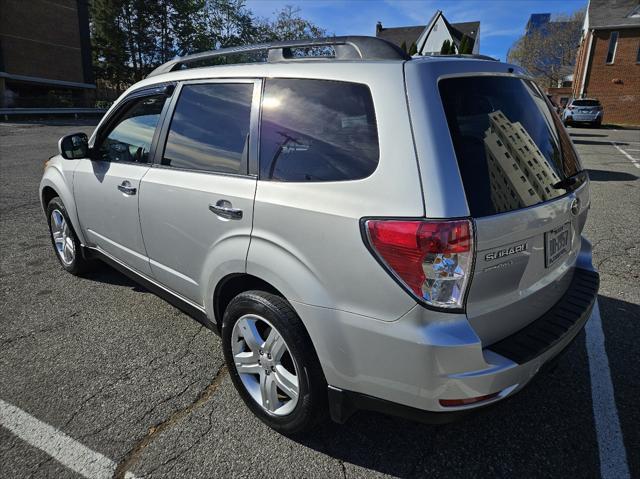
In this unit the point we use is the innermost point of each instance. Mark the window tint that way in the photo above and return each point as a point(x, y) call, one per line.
point(210, 128)
point(130, 139)
point(586, 103)
point(511, 148)
point(317, 130)
point(613, 42)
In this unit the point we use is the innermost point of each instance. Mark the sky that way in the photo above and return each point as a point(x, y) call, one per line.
point(501, 21)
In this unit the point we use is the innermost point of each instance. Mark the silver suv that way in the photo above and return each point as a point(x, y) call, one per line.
point(364, 230)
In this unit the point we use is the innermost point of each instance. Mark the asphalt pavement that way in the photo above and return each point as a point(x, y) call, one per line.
point(111, 367)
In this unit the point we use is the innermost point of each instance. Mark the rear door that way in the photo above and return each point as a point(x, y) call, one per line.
point(525, 192)
point(196, 202)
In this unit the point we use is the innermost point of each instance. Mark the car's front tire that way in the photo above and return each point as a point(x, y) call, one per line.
point(64, 239)
point(272, 362)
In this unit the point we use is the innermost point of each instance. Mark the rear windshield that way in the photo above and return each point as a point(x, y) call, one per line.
point(586, 103)
point(511, 148)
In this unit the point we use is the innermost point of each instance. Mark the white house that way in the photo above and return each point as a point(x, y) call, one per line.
point(428, 39)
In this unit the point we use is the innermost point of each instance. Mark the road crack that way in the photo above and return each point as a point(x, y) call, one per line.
point(133, 456)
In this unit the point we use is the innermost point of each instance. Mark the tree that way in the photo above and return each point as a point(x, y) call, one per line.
point(549, 52)
point(109, 43)
point(414, 49)
point(132, 37)
point(446, 47)
point(290, 25)
point(404, 46)
point(466, 45)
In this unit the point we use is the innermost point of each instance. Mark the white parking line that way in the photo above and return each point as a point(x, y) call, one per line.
point(635, 162)
point(56, 444)
point(613, 457)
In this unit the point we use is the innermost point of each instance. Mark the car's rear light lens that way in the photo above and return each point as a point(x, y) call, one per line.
point(432, 259)
point(467, 401)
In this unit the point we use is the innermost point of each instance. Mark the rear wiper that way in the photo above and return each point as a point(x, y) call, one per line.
point(570, 181)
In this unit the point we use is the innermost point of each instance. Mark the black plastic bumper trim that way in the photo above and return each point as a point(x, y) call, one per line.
point(343, 404)
point(566, 318)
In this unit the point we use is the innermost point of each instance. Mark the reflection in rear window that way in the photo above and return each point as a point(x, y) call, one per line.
point(317, 130)
point(511, 149)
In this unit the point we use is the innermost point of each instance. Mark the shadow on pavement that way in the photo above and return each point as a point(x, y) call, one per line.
point(103, 273)
point(621, 327)
point(547, 428)
point(604, 175)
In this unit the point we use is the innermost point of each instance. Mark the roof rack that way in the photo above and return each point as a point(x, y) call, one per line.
point(346, 48)
point(475, 56)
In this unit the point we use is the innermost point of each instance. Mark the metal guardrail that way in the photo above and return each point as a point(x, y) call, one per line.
point(5, 113)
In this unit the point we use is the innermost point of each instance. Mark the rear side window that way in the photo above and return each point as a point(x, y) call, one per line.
point(317, 130)
point(210, 128)
point(511, 148)
point(585, 103)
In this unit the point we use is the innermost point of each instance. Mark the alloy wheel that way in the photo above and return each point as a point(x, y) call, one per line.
point(62, 237)
point(265, 364)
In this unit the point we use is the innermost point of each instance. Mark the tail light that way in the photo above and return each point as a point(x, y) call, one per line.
point(431, 259)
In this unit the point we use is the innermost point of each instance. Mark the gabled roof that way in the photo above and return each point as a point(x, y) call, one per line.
point(469, 29)
point(613, 13)
point(400, 35)
point(409, 35)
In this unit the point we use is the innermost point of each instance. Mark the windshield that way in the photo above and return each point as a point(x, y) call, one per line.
point(512, 150)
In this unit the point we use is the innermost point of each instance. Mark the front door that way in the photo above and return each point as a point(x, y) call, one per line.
point(107, 186)
point(196, 205)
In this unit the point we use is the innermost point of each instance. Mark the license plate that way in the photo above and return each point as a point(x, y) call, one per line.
point(557, 243)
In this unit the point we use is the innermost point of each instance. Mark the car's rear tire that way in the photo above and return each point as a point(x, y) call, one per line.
point(64, 239)
point(272, 362)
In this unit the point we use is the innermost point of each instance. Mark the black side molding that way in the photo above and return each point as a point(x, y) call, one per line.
point(567, 317)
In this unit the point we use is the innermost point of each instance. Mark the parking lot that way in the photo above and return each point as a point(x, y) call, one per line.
point(99, 376)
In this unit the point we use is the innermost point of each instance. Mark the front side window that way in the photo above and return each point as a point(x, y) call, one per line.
point(511, 148)
point(210, 128)
point(317, 130)
point(613, 43)
point(130, 139)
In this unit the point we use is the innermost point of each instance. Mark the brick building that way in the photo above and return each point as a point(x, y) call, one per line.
point(45, 54)
point(608, 62)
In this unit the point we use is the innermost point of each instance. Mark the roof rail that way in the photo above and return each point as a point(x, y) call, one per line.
point(346, 48)
point(475, 56)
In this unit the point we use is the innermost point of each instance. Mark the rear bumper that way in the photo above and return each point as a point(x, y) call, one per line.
point(584, 118)
point(514, 361)
point(406, 367)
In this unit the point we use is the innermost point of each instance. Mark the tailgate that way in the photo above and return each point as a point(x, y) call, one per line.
point(513, 282)
point(526, 192)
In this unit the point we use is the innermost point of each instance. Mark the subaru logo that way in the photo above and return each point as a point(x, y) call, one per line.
point(575, 206)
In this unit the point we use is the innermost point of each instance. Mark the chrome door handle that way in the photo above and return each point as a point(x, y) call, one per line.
point(126, 188)
point(223, 209)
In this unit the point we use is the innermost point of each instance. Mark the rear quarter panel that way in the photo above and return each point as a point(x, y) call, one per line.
point(306, 238)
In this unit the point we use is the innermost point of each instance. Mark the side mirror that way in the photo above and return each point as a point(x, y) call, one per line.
point(75, 146)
